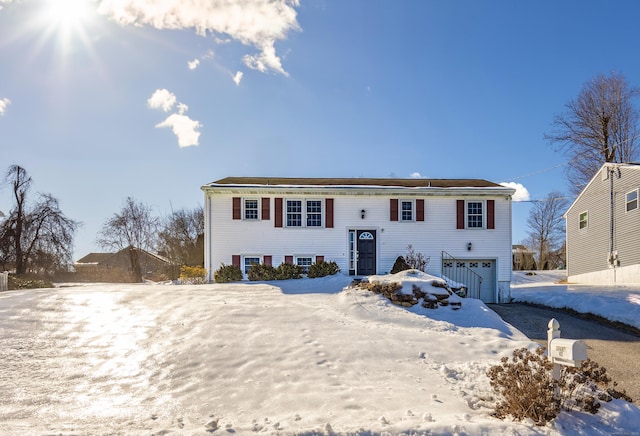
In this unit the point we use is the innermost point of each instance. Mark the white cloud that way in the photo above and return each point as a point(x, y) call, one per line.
point(3, 104)
point(522, 194)
point(193, 64)
point(184, 128)
point(256, 23)
point(238, 77)
point(162, 99)
point(416, 175)
point(4, 1)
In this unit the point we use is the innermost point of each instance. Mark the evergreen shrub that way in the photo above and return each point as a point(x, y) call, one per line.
point(322, 269)
point(262, 272)
point(286, 271)
point(227, 274)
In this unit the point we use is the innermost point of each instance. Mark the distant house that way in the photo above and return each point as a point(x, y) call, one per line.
point(116, 267)
point(461, 225)
point(603, 228)
point(523, 258)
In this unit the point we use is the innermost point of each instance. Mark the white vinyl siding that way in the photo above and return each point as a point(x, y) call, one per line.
point(228, 237)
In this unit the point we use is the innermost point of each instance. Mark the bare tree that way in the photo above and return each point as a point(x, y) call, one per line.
point(599, 126)
point(135, 227)
point(182, 237)
point(546, 227)
point(38, 236)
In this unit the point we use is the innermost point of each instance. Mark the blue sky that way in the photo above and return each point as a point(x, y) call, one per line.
point(109, 99)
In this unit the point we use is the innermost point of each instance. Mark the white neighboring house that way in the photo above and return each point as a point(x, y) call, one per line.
point(603, 228)
point(462, 225)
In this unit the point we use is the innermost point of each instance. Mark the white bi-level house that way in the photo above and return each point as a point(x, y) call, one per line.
point(462, 225)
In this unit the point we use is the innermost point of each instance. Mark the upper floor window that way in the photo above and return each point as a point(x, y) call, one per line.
point(304, 212)
point(294, 213)
point(632, 200)
point(474, 215)
point(406, 210)
point(314, 213)
point(584, 220)
point(251, 209)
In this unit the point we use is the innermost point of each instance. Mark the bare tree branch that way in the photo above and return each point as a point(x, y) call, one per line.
point(599, 126)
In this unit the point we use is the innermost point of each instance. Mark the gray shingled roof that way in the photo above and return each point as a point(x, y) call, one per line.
point(406, 183)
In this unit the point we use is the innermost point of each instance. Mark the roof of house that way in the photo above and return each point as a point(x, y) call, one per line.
point(634, 166)
point(97, 258)
point(369, 182)
point(94, 258)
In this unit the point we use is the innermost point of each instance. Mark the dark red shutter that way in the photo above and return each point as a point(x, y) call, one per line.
point(237, 208)
point(235, 260)
point(393, 209)
point(288, 260)
point(491, 214)
point(328, 213)
point(265, 209)
point(460, 214)
point(420, 210)
point(319, 258)
point(277, 206)
point(268, 260)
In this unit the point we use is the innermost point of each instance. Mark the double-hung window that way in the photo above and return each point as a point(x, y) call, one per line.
point(474, 215)
point(304, 213)
point(314, 213)
point(294, 213)
point(632, 200)
point(251, 209)
point(583, 220)
point(406, 210)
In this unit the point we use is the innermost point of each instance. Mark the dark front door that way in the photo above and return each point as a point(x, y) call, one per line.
point(366, 252)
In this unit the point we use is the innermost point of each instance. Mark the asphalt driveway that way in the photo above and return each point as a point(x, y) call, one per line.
point(616, 349)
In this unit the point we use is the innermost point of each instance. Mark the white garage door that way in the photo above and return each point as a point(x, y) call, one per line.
point(466, 271)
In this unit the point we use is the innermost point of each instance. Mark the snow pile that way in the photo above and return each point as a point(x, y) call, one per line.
point(619, 303)
point(410, 287)
point(298, 357)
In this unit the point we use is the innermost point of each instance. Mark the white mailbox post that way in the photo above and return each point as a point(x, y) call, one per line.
point(563, 352)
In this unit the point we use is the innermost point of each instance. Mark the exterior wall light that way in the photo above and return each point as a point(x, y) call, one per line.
point(469, 245)
point(362, 213)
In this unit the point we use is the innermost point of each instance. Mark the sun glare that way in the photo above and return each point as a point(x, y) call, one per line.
point(67, 14)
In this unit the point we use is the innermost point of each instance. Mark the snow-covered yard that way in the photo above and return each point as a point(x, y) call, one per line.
point(295, 357)
point(616, 303)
